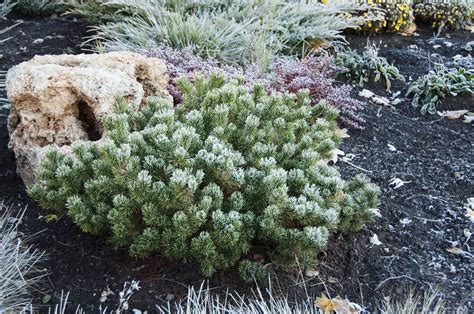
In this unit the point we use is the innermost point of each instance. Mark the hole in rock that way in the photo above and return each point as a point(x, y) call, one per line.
point(89, 122)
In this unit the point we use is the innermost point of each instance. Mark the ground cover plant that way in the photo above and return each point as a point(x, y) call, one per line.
point(450, 15)
point(233, 32)
point(315, 73)
point(366, 67)
point(206, 179)
point(391, 16)
point(430, 89)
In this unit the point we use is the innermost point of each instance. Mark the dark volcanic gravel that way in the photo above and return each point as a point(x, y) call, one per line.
point(420, 220)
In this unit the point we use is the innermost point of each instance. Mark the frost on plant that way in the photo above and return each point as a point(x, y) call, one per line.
point(237, 32)
point(17, 264)
point(40, 7)
point(315, 73)
point(207, 179)
point(366, 67)
point(6, 7)
point(450, 15)
point(391, 16)
point(430, 89)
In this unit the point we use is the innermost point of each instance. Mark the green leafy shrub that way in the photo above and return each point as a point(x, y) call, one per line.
point(451, 15)
point(391, 16)
point(441, 81)
point(233, 32)
point(207, 180)
point(366, 67)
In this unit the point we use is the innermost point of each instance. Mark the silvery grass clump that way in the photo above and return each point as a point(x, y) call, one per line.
point(233, 32)
point(6, 7)
point(270, 300)
point(17, 263)
point(3, 101)
point(287, 74)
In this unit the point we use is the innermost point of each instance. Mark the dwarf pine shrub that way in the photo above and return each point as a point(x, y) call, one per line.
point(223, 172)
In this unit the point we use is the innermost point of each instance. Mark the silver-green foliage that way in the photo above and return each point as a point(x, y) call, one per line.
point(430, 89)
point(208, 178)
point(3, 101)
point(232, 31)
point(40, 7)
point(6, 7)
point(17, 264)
point(366, 67)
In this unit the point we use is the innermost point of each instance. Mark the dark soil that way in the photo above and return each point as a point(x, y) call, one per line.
point(433, 154)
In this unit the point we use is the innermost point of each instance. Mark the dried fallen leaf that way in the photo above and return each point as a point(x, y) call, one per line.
point(344, 306)
point(467, 234)
point(396, 94)
point(311, 273)
point(454, 114)
point(470, 28)
point(470, 214)
point(366, 93)
point(469, 207)
point(455, 250)
point(325, 304)
point(405, 221)
point(469, 118)
point(391, 148)
point(397, 183)
point(396, 101)
point(335, 154)
point(375, 240)
point(342, 133)
point(349, 157)
point(375, 212)
point(410, 30)
point(379, 100)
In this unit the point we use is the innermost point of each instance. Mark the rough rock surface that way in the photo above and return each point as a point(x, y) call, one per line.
point(57, 100)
